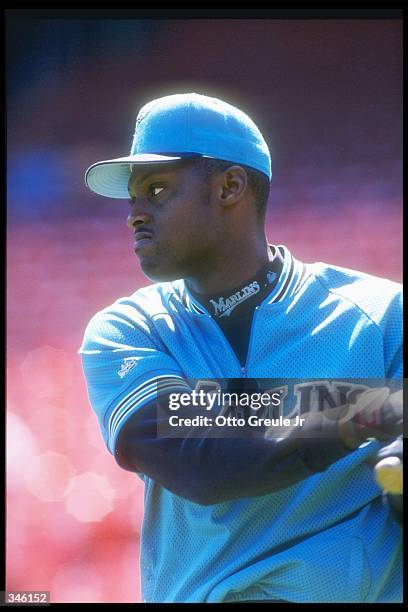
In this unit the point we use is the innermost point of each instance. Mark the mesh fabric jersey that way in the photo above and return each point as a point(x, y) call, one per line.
point(329, 538)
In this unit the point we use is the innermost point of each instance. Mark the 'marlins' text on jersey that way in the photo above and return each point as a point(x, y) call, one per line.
point(224, 306)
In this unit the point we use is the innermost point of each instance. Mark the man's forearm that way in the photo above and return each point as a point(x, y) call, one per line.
point(216, 469)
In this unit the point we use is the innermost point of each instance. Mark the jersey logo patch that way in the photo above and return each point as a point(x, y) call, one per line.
point(224, 306)
point(127, 365)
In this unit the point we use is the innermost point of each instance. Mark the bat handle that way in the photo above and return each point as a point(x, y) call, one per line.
point(389, 475)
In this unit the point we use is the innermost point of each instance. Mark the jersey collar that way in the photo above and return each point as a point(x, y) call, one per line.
point(289, 281)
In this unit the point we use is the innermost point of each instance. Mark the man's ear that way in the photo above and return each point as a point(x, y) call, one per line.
point(232, 186)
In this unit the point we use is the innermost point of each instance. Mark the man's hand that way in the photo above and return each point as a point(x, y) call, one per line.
point(377, 413)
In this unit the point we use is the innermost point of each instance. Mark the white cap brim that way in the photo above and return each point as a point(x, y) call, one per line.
point(110, 177)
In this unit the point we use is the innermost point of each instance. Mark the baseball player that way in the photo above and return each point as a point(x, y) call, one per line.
point(270, 517)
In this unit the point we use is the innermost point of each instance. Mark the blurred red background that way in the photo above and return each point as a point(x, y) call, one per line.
point(327, 95)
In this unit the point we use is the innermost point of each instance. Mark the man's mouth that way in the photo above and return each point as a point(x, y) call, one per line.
point(143, 238)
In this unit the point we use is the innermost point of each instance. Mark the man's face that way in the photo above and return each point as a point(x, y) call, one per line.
point(173, 219)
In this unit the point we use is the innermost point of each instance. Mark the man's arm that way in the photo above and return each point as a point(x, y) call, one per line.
point(123, 362)
point(214, 470)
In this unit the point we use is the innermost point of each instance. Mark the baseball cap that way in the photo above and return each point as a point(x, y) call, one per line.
point(178, 126)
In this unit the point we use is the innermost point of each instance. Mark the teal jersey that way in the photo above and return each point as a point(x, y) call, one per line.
point(328, 538)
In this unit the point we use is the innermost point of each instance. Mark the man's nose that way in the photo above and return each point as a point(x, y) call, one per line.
point(137, 216)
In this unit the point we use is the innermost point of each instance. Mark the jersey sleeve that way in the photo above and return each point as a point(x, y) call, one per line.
point(123, 362)
point(393, 334)
point(379, 300)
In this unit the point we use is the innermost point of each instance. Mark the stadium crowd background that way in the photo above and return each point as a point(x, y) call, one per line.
point(327, 96)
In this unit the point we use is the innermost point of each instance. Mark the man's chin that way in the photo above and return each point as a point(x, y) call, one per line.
point(158, 272)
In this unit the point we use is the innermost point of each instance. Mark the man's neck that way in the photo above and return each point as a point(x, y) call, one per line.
point(240, 301)
point(233, 272)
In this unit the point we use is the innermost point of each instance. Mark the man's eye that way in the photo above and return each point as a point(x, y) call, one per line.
point(156, 189)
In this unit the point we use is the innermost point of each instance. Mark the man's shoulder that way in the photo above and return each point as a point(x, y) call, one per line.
point(372, 294)
point(130, 314)
point(146, 301)
point(153, 299)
